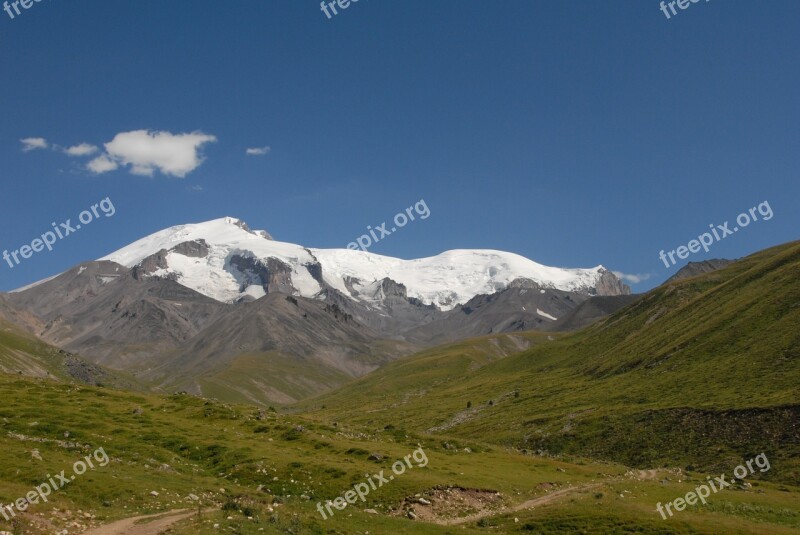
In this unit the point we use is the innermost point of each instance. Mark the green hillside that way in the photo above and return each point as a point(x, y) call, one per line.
point(249, 471)
point(697, 373)
point(22, 353)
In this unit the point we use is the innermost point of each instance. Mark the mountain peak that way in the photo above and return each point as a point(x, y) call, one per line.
point(225, 260)
point(242, 225)
point(235, 221)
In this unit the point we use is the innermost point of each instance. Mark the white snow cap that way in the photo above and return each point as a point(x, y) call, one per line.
point(446, 280)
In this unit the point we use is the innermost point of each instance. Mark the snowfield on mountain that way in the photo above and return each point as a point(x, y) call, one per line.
point(225, 263)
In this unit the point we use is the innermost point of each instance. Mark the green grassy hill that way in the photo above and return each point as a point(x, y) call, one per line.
point(698, 373)
point(251, 471)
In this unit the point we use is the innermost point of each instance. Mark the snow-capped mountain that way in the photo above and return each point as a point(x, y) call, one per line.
point(225, 260)
point(190, 306)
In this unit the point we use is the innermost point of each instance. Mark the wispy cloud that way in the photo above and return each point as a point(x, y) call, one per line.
point(146, 152)
point(259, 151)
point(84, 149)
point(633, 279)
point(33, 143)
point(102, 164)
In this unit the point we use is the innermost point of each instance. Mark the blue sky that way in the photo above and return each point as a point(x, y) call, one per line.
point(575, 133)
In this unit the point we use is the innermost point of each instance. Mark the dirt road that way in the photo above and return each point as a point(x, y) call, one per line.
point(143, 525)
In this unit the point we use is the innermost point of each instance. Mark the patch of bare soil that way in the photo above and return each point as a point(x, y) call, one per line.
point(455, 505)
point(444, 503)
point(530, 504)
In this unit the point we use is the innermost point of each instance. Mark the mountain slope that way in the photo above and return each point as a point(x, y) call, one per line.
point(98, 309)
point(277, 349)
point(523, 306)
point(591, 311)
point(21, 353)
point(692, 269)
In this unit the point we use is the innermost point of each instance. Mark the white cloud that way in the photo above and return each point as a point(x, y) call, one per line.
point(84, 149)
point(258, 151)
point(33, 143)
point(147, 152)
point(102, 164)
point(633, 279)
